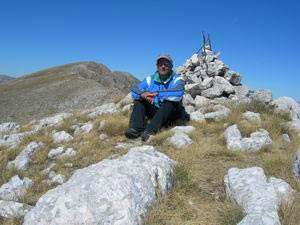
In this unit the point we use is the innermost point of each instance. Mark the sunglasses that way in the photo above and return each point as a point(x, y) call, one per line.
point(166, 64)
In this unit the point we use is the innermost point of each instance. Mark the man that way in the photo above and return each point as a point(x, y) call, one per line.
point(159, 98)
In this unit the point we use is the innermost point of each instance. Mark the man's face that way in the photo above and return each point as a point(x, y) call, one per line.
point(164, 67)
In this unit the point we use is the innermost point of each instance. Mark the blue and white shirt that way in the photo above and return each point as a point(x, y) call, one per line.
point(171, 89)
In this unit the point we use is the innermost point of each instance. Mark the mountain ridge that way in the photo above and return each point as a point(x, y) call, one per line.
point(73, 86)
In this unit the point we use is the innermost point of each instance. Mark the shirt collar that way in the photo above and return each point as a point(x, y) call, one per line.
point(157, 78)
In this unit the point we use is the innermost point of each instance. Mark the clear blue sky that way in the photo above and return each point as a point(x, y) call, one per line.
point(259, 39)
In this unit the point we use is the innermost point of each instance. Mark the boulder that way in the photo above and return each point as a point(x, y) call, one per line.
point(118, 191)
point(61, 136)
point(108, 108)
point(180, 140)
point(264, 96)
point(83, 128)
point(197, 116)
point(51, 121)
point(241, 91)
point(11, 209)
point(221, 112)
point(206, 83)
point(15, 188)
point(251, 117)
point(259, 197)
point(255, 142)
point(293, 125)
point(55, 178)
point(233, 77)
point(201, 101)
point(12, 140)
point(220, 87)
point(22, 160)
point(287, 105)
point(189, 109)
point(9, 127)
point(61, 152)
point(187, 100)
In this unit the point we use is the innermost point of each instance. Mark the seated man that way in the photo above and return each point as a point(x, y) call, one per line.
point(159, 98)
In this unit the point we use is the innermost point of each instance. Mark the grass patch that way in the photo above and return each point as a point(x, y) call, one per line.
point(289, 212)
point(229, 214)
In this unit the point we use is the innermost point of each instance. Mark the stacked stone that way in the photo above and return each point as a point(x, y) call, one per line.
point(206, 75)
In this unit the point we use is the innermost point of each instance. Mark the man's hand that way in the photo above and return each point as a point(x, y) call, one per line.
point(148, 96)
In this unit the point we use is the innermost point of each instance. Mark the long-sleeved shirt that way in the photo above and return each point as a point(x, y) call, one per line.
point(171, 89)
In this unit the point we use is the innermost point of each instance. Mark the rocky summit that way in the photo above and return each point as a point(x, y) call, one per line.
point(237, 161)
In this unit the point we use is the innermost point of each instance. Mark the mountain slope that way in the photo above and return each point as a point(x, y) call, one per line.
point(69, 87)
point(5, 78)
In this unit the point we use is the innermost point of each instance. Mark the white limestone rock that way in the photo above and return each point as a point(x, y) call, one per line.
point(12, 209)
point(206, 83)
point(251, 117)
point(187, 100)
point(189, 109)
point(241, 91)
point(197, 116)
point(183, 129)
point(233, 77)
point(15, 188)
point(9, 127)
point(51, 120)
point(264, 96)
point(127, 100)
point(118, 191)
point(286, 139)
point(61, 136)
point(83, 128)
point(194, 60)
point(12, 140)
point(296, 165)
point(259, 197)
point(201, 101)
point(103, 136)
point(221, 112)
point(220, 86)
point(56, 178)
point(180, 140)
point(61, 152)
point(287, 105)
point(255, 142)
point(293, 125)
point(22, 160)
point(108, 108)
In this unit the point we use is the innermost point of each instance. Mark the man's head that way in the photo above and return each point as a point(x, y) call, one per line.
point(164, 64)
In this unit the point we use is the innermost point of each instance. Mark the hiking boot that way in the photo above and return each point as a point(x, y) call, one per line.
point(145, 136)
point(132, 133)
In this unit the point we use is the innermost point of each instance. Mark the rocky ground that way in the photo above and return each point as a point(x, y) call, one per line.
point(236, 162)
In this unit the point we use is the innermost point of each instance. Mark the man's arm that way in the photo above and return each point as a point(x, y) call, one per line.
point(175, 91)
point(138, 89)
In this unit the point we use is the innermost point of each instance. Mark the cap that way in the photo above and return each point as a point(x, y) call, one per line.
point(165, 56)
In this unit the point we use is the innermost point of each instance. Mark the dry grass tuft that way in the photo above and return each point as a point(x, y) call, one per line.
point(289, 212)
point(229, 214)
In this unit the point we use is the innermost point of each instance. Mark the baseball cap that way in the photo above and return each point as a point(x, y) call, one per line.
point(165, 56)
